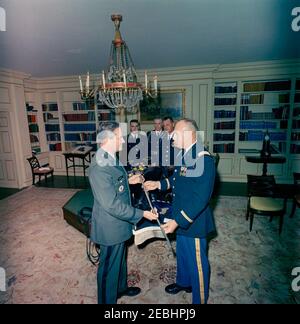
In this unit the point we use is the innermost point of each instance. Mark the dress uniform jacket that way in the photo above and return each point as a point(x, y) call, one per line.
point(137, 149)
point(113, 216)
point(168, 151)
point(191, 195)
point(155, 147)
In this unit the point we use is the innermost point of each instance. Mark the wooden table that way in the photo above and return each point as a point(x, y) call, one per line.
point(84, 154)
point(265, 161)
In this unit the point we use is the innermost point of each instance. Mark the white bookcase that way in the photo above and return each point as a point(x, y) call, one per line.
point(81, 122)
point(52, 126)
point(249, 108)
point(225, 112)
point(295, 127)
point(79, 125)
point(33, 126)
point(265, 106)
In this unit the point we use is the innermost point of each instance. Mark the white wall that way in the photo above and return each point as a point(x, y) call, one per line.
point(14, 134)
point(197, 81)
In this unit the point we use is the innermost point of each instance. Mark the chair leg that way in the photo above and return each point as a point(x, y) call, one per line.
point(247, 214)
point(281, 223)
point(33, 179)
point(251, 221)
point(39, 180)
point(293, 209)
point(271, 219)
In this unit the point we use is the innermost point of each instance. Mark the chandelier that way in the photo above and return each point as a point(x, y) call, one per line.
point(119, 88)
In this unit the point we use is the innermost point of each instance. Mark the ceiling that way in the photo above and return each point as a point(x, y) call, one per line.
point(67, 37)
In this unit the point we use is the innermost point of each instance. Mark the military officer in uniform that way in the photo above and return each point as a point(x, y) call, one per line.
point(168, 151)
point(113, 216)
point(155, 143)
point(192, 186)
point(158, 128)
point(137, 145)
point(136, 154)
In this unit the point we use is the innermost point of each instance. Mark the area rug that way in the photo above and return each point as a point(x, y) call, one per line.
point(45, 258)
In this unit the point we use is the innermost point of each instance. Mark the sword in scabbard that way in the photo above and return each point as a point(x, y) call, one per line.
point(159, 223)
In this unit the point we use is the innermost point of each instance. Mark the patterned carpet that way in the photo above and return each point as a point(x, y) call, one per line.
point(45, 258)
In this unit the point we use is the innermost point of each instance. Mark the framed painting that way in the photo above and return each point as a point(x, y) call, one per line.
point(168, 103)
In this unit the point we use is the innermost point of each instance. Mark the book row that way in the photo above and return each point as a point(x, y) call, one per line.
point(53, 137)
point(224, 148)
point(225, 125)
point(91, 137)
point(90, 116)
point(224, 137)
point(259, 136)
point(225, 114)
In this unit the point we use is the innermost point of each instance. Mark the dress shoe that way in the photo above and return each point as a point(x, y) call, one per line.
point(175, 289)
point(130, 292)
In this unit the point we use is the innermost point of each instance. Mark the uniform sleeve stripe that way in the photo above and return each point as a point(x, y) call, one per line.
point(186, 217)
point(200, 270)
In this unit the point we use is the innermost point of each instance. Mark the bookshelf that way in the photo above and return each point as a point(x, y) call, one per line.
point(225, 111)
point(244, 109)
point(295, 133)
point(80, 126)
point(52, 126)
point(32, 118)
point(72, 124)
point(105, 114)
point(264, 106)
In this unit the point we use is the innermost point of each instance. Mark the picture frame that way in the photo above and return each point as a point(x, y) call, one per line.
point(168, 103)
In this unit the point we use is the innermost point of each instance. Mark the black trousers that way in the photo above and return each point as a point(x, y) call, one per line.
point(112, 273)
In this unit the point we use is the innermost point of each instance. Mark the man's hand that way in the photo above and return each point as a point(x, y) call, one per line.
point(150, 215)
point(135, 179)
point(170, 227)
point(151, 185)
